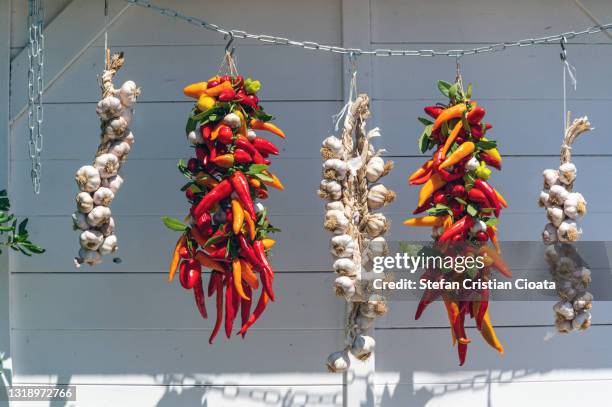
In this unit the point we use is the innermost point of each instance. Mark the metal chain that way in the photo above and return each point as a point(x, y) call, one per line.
point(36, 46)
point(455, 53)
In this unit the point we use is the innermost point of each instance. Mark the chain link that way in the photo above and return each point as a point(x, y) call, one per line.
point(36, 47)
point(309, 45)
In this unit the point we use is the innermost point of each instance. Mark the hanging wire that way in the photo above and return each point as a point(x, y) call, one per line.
point(568, 69)
point(106, 24)
point(309, 45)
point(352, 93)
point(36, 47)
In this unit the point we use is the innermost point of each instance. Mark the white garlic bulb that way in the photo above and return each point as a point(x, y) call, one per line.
point(564, 309)
point(567, 173)
point(98, 215)
point(334, 205)
point(103, 196)
point(549, 235)
point(363, 346)
point(331, 147)
point(582, 321)
point(251, 135)
point(379, 196)
point(91, 239)
point(195, 137)
point(344, 286)
point(563, 325)
point(90, 257)
point(472, 164)
point(85, 202)
point(335, 221)
point(109, 245)
point(555, 215)
point(128, 137)
point(568, 231)
point(330, 189)
point(345, 267)
point(575, 205)
point(583, 301)
point(551, 255)
point(557, 195)
point(107, 164)
point(128, 93)
point(342, 246)
point(232, 120)
point(376, 168)
point(543, 199)
point(376, 225)
point(116, 127)
point(378, 247)
point(88, 178)
point(79, 220)
point(550, 177)
point(107, 228)
point(113, 183)
point(109, 107)
point(120, 148)
point(334, 169)
point(338, 362)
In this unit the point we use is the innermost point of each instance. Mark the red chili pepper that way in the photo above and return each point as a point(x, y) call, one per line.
point(221, 191)
point(476, 114)
point(426, 205)
point(488, 159)
point(225, 134)
point(477, 132)
point(476, 195)
point(459, 325)
point(212, 283)
point(267, 274)
point(245, 306)
point(220, 253)
point(189, 273)
point(212, 150)
point(462, 351)
point(458, 227)
point(245, 144)
point(242, 157)
point(489, 193)
point(457, 173)
point(484, 304)
point(433, 111)
point(265, 146)
point(219, 306)
point(198, 293)
point(206, 130)
point(203, 221)
point(429, 296)
point(241, 186)
point(259, 309)
point(229, 304)
point(248, 252)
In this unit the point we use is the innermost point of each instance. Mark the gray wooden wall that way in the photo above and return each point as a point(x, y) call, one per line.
point(126, 337)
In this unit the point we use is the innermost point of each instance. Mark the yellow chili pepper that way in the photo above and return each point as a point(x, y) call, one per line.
point(488, 333)
point(237, 216)
point(451, 138)
point(237, 274)
point(249, 276)
point(195, 90)
point(206, 102)
point(275, 183)
point(452, 311)
point(224, 161)
point(426, 221)
point(250, 224)
point(176, 258)
point(432, 185)
point(268, 243)
point(243, 125)
point(452, 112)
point(218, 89)
point(259, 125)
point(459, 154)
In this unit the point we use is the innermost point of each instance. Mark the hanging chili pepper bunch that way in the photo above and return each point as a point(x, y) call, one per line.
point(461, 207)
point(228, 229)
point(564, 208)
point(351, 172)
point(98, 183)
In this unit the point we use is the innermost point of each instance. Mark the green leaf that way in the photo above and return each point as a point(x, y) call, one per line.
point(256, 168)
point(460, 200)
point(469, 91)
point(469, 181)
point(486, 144)
point(471, 210)
point(174, 224)
point(491, 222)
point(212, 240)
point(263, 116)
point(6, 228)
point(424, 138)
point(191, 125)
point(22, 227)
point(439, 209)
point(264, 177)
point(426, 122)
point(444, 87)
point(452, 91)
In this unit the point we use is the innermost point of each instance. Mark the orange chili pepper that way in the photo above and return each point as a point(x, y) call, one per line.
point(215, 131)
point(452, 112)
point(268, 243)
point(432, 185)
point(275, 183)
point(224, 161)
point(250, 225)
point(209, 262)
point(247, 273)
point(498, 262)
point(452, 310)
point(423, 170)
point(237, 274)
point(254, 182)
point(501, 199)
point(259, 125)
point(451, 138)
point(206, 180)
point(488, 333)
point(176, 258)
point(218, 89)
point(237, 216)
point(459, 154)
point(195, 90)
point(426, 221)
